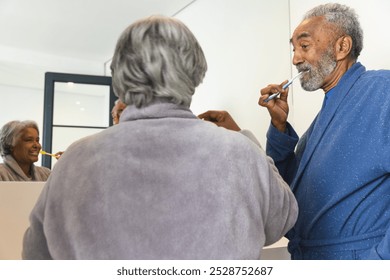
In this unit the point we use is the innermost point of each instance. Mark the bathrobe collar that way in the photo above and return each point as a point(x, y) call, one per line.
point(159, 108)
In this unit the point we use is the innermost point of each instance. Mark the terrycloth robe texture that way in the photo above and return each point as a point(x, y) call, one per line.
point(161, 184)
point(340, 172)
point(11, 171)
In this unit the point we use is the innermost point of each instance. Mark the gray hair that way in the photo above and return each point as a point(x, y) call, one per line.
point(345, 19)
point(10, 133)
point(157, 57)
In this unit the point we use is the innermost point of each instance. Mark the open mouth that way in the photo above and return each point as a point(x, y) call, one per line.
point(304, 71)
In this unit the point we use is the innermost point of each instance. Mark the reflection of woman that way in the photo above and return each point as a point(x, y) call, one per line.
point(19, 148)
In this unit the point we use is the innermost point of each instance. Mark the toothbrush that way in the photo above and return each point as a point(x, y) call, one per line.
point(47, 154)
point(272, 96)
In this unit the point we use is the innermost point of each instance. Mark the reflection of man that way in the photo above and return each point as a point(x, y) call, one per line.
point(117, 111)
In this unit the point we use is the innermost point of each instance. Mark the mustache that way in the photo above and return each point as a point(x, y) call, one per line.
point(304, 67)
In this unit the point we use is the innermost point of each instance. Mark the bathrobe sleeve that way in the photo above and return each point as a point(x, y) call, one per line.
point(282, 210)
point(34, 241)
point(280, 147)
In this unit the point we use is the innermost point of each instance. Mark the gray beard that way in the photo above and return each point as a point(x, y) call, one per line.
point(317, 75)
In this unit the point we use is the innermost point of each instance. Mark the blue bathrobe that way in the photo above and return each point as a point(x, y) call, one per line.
point(339, 171)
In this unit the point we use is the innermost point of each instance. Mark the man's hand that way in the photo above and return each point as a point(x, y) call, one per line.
point(278, 107)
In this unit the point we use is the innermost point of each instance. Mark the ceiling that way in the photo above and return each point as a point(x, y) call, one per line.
point(81, 29)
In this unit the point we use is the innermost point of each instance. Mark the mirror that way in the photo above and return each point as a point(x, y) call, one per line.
point(62, 37)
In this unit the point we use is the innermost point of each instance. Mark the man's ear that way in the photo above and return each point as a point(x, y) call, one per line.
point(343, 47)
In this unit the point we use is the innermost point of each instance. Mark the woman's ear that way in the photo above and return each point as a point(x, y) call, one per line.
point(343, 47)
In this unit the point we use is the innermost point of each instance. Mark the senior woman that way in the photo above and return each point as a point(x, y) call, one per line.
point(19, 148)
point(162, 184)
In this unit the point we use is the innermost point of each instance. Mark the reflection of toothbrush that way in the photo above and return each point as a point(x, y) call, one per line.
point(47, 154)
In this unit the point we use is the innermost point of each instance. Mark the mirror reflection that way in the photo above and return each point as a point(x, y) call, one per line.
point(81, 104)
point(55, 42)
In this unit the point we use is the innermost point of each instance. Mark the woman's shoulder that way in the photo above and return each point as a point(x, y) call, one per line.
point(3, 168)
point(5, 173)
point(42, 173)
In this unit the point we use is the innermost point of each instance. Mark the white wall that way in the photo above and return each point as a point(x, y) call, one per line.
point(246, 44)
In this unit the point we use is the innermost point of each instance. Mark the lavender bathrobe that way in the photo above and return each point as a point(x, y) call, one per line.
point(162, 184)
point(340, 171)
point(11, 171)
